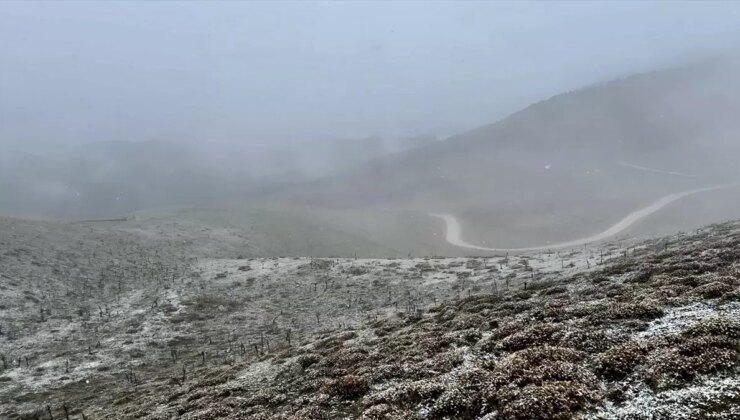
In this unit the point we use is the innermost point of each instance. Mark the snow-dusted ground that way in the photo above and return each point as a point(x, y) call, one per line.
point(607, 345)
point(172, 322)
point(223, 307)
point(684, 403)
point(141, 297)
point(681, 318)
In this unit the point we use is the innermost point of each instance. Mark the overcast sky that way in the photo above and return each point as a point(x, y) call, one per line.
point(256, 73)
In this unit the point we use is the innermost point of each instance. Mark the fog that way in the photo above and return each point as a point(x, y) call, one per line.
point(362, 210)
point(252, 73)
point(250, 95)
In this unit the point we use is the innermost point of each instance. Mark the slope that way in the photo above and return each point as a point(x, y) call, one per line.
point(566, 167)
point(653, 331)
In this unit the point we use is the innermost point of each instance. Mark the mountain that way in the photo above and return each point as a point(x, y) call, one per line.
point(564, 166)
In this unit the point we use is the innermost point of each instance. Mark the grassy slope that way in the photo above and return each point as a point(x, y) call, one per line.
point(612, 342)
point(91, 312)
point(261, 231)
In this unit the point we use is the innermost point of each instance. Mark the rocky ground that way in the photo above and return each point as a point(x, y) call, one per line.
point(108, 323)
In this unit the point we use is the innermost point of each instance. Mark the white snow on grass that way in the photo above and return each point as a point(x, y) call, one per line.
point(687, 402)
point(679, 319)
point(258, 372)
point(684, 403)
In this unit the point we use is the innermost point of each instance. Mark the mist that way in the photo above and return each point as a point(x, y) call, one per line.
point(238, 73)
point(248, 97)
point(369, 210)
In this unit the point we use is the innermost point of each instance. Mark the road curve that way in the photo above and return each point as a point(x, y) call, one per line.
point(453, 231)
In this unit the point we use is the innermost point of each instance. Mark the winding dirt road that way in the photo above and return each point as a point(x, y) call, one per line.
point(453, 231)
point(653, 170)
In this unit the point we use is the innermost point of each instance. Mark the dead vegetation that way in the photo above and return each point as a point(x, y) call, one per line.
point(591, 344)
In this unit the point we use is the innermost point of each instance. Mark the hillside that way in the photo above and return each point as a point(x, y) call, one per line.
point(114, 178)
point(110, 179)
point(565, 167)
point(628, 330)
point(562, 169)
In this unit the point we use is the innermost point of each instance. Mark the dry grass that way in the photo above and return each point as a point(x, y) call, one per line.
point(583, 344)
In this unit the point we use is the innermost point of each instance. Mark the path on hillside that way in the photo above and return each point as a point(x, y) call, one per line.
point(453, 230)
point(653, 170)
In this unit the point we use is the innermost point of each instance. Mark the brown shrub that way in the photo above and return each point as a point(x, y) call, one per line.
point(675, 366)
point(455, 402)
point(479, 303)
point(406, 394)
point(464, 337)
point(467, 321)
point(378, 373)
point(209, 302)
point(588, 339)
point(715, 326)
point(348, 357)
point(542, 383)
point(490, 343)
point(713, 290)
point(334, 341)
point(431, 344)
point(306, 360)
point(383, 412)
point(644, 310)
point(549, 401)
point(538, 334)
point(710, 346)
point(346, 387)
point(621, 360)
point(554, 290)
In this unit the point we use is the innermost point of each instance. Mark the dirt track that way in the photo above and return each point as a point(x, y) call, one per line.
point(453, 230)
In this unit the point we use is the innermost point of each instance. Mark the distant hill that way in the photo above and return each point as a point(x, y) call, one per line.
point(109, 178)
point(298, 162)
point(560, 169)
point(566, 165)
point(104, 179)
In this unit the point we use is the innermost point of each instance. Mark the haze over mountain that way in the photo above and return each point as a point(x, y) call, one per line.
point(254, 74)
point(110, 179)
point(563, 168)
point(107, 179)
point(566, 165)
point(324, 210)
point(107, 109)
